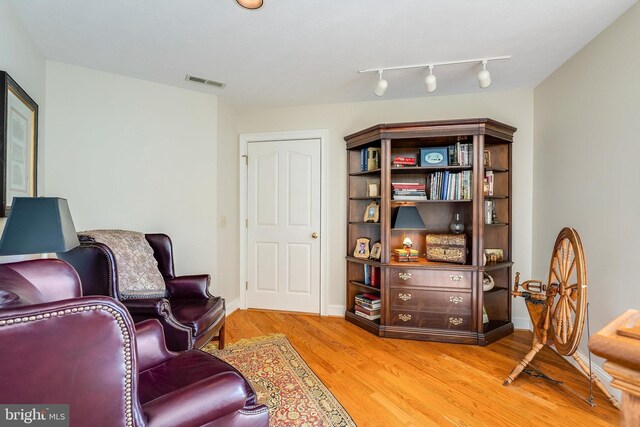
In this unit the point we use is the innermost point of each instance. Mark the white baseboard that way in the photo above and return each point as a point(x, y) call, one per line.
point(335, 310)
point(232, 306)
point(522, 323)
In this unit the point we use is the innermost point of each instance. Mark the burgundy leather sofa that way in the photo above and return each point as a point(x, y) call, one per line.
point(189, 314)
point(58, 347)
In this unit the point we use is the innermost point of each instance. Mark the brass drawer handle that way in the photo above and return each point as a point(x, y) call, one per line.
point(404, 297)
point(455, 277)
point(455, 320)
point(404, 317)
point(455, 300)
point(404, 276)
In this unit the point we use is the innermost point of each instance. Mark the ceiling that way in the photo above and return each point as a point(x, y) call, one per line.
point(300, 52)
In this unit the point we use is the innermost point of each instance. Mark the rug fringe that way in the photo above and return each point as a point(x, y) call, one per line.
point(246, 341)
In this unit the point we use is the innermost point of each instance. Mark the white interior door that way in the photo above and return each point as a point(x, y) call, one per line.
point(283, 256)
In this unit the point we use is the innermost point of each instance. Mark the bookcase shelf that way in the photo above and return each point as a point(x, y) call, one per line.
point(423, 299)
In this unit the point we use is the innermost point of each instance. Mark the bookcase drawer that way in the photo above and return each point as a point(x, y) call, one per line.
point(422, 319)
point(430, 278)
point(423, 299)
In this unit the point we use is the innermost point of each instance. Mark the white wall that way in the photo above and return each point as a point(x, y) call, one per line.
point(135, 155)
point(514, 108)
point(228, 206)
point(586, 173)
point(22, 59)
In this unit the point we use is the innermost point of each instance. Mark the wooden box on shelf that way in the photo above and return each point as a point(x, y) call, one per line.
point(425, 299)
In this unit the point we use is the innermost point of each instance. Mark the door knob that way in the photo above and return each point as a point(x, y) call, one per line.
point(314, 235)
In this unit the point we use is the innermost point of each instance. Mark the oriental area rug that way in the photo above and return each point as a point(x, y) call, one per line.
point(284, 382)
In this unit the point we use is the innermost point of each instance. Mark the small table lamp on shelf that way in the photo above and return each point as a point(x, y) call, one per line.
point(406, 218)
point(38, 225)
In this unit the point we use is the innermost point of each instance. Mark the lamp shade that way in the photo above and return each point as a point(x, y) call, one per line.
point(38, 225)
point(407, 217)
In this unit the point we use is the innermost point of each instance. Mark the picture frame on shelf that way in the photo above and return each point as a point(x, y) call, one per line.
point(376, 251)
point(372, 213)
point(486, 158)
point(493, 256)
point(362, 248)
point(18, 143)
point(373, 188)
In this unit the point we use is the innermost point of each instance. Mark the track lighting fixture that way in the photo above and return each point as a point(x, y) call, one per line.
point(484, 77)
point(250, 4)
point(381, 87)
point(430, 80)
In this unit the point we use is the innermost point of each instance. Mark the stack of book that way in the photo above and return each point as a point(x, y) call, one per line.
point(460, 154)
point(449, 186)
point(408, 191)
point(405, 255)
point(369, 159)
point(488, 183)
point(368, 306)
point(401, 161)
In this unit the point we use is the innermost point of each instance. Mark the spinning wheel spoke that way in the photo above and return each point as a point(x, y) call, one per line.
point(571, 269)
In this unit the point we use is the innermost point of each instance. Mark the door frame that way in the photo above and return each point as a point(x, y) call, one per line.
point(245, 140)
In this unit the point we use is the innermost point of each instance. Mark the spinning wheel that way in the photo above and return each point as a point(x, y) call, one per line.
point(558, 310)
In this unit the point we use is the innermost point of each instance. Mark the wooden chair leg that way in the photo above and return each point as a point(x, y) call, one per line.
point(523, 363)
point(221, 337)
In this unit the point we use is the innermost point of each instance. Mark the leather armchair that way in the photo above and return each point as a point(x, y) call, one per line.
point(189, 314)
point(61, 348)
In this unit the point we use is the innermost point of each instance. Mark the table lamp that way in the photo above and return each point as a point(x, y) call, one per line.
point(38, 225)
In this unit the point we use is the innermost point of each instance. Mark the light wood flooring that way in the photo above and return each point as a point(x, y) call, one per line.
point(391, 382)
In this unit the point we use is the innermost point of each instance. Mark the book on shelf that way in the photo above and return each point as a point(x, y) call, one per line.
point(489, 212)
point(367, 311)
point(446, 185)
point(408, 191)
point(460, 154)
point(369, 159)
point(488, 183)
point(402, 161)
point(371, 275)
point(405, 255)
point(368, 299)
point(361, 314)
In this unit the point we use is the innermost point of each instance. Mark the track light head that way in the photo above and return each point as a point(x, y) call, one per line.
point(430, 80)
point(484, 77)
point(381, 87)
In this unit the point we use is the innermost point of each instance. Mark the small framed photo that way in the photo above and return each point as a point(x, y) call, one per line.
point(373, 188)
point(376, 251)
point(372, 214)
point(362, 248)
point(493, 256)
point(486, 158)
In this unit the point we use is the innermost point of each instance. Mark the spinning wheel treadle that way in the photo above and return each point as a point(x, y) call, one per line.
point(558, 310)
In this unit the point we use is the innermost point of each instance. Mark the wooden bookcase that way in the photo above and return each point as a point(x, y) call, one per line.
point(433, 300)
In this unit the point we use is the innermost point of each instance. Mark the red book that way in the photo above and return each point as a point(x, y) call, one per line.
point(375, 273)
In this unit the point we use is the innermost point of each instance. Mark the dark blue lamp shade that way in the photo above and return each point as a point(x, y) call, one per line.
point(407, 217)
point(38, 225)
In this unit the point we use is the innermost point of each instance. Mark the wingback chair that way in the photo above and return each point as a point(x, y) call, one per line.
point(189, 314)
point(61, 348)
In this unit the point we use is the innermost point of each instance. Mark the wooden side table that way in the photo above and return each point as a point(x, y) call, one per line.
point(619, 343)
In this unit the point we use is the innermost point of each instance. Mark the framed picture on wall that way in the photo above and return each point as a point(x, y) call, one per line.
point(18, 143)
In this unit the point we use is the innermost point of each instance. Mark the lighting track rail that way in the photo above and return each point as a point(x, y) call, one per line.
point(484, 78)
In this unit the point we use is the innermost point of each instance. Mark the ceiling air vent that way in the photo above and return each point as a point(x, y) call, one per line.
point(205, 81)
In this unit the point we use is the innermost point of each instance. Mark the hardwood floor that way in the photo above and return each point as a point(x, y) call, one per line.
point(392, 382)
